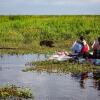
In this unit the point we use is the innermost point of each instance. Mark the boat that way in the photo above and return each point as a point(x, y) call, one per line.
point(59, 57)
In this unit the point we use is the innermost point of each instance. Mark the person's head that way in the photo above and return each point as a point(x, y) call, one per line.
point(99, 40)
point(84, 42)
point(82, 38)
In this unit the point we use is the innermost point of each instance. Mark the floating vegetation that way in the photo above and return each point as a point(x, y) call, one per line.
point(62, 67)
point(12, 92)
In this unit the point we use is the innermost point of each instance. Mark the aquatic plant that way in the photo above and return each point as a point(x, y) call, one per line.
point(62, 67)
point(12, 91)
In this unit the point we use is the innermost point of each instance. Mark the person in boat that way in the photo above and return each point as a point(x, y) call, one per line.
point(96, 49)
point(77, 46)
point(85, 49)
point(81, 47)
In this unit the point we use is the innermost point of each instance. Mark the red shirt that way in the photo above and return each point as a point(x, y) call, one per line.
point(85, 48)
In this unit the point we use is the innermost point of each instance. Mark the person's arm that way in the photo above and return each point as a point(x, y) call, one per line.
point(88, 47)
point(93, 45)
point(73, 45)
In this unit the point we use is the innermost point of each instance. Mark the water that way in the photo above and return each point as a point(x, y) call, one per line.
point(45, 86)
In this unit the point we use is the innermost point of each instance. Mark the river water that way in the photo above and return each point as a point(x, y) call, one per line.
point(45, 86)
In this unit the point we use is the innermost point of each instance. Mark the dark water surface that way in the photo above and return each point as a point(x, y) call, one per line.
point(45, 86)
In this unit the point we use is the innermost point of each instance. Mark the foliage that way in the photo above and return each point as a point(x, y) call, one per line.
point(62, 67)
point(27, 31)
point(12, 91)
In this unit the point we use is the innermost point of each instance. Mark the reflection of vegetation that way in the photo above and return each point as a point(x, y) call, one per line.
point(62, 67)
point(11, 92)
point(79, 71)
point(26, 31)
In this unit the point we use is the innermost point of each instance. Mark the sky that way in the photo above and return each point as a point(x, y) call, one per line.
point(49, 7)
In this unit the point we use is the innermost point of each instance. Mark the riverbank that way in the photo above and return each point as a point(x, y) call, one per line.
point(35, 48)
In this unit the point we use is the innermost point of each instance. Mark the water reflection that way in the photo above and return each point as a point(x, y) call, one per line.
point(96, 77)
point(47, 86)
point(0, 68)
point(83, 77)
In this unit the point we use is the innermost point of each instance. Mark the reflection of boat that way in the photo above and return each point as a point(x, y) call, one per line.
point(59, 57)
point(96, 75)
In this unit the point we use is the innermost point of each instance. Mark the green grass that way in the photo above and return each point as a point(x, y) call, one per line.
point(27, 31)
point(62, 67)
point(11, 91)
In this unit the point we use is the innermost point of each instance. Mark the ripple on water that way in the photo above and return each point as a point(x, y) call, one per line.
point(46, 86)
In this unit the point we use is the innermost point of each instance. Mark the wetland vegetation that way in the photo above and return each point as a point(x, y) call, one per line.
point(24, 33)
point(15, 93)
point(62, 67)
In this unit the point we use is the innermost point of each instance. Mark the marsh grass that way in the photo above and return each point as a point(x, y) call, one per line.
point(62, 67)
point(34, 48)
point(12, 92)
point(27, 31)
